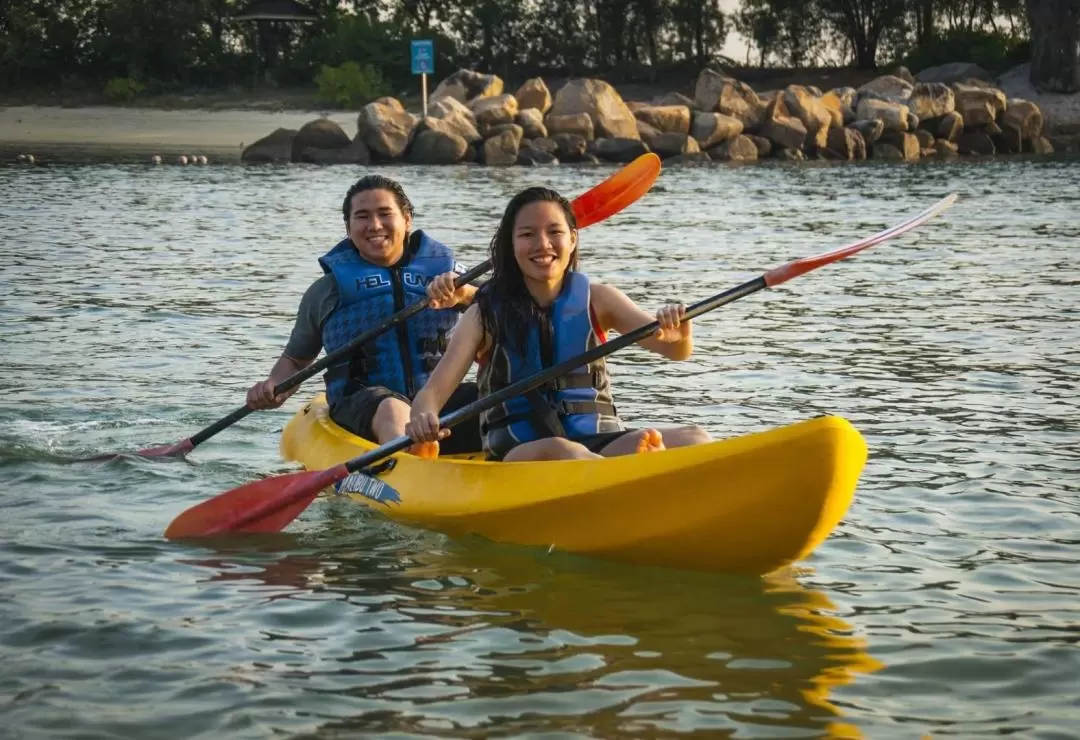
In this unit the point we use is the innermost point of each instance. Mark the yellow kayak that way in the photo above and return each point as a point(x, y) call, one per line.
point(750, 504)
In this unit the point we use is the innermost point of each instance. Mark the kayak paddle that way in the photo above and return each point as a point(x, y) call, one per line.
point(601, 202)
point(270, 504)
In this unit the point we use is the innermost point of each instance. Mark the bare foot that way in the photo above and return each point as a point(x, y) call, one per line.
point(651, 441)
point(425, 450)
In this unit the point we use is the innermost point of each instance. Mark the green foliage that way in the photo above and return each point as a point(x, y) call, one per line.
point(994, 52)
point(123, 89)
point(350, 85)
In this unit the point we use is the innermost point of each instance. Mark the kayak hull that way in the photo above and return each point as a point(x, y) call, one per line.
point(751, 504)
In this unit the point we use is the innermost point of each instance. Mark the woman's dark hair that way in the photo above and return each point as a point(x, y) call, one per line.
point(507, 309)
point(377, 182)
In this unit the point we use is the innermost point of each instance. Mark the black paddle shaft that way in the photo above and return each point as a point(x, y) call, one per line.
point(527, 384)
point(296, 379)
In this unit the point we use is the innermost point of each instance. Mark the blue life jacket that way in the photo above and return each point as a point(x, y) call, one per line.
point(402, 358)
point(573, 406)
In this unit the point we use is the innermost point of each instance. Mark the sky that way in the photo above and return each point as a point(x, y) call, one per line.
point(734, 45)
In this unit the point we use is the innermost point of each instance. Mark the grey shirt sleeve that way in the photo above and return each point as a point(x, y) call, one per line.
point(319, 301)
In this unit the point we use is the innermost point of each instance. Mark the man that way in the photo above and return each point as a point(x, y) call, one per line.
point(380, 268)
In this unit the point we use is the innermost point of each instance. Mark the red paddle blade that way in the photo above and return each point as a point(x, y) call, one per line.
point(266, 505)
point(618, 191)
point(178, 449)
point(793, 269)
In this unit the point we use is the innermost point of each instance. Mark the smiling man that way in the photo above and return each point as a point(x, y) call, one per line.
point(380, 268)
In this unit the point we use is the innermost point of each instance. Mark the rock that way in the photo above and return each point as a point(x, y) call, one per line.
point(739, 149)
point(319, 134)
point(738, 100)
point(793, 155)
point(434, 146)
point(944, 149)
point(534, 94)
point(843, 144)
point(886, 87)
point(578, 123)
point(386, 128)
point(666, 118)
point(620, 149)
point(1042, 145)
point(904, 74)
point(493, 111)
point(886, 153)
point(531, 156)
point(926, 139)
point(672, 144)
point(893, 115)
point(501, 150)
point(786, 131)
point(707, 89)
point(673, 98)
point(355, 153)
point(570, 147)
point(543, 145)
point(814, 115)
point(988, 128)
point(764, 146)
point(1060, 112)
point(646, 133)
point(907, 144)
point(609, 114)
point(466, 84)
point(458, 117)
point(978, 105)
point(712, 128)
point(832, 103)
point(976, 142)
point(953, 72)
point(275, 147)
point(1025, 117)
point(931, 100)
point(870, 131)
point(1008, 140)
point(531, 121)
point(950, 127)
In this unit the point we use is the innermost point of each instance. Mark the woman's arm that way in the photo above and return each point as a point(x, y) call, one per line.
point(614, 310)
point(466, 340)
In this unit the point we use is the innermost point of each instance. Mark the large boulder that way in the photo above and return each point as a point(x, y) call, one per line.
point(739, 149)
point(672, 144)
point(781, 128)
point(458, 117)
point(577, 123)
point(321, 133)
point(274, 147)
point(355, 153)
point(979, 104)
point(609, 114)
point(815, 116)
point(954, 72)
point(534, 94)
point(931, 100)
point(531, 121)
point(437, 145)
point(501, 150)
point(620, 149)
point(466, 84)
point(674, 119)
point(893, 115)
point(711, 129)
point(494, 111)
point(716, 92)
point(386, 128)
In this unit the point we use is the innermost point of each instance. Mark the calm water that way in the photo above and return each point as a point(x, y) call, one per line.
point(138, 304)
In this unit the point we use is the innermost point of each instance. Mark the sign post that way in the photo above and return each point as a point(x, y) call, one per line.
point(423, 64)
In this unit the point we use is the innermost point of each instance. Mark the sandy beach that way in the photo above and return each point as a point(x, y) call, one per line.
point(133, 133)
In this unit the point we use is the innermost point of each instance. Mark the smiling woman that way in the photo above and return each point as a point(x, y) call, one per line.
point(537, 311)
point(375, 272)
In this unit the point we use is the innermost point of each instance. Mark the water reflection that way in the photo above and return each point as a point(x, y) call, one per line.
point(457, 636)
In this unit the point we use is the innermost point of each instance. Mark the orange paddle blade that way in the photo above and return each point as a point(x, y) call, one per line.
point(618, 191)
point(266, 505)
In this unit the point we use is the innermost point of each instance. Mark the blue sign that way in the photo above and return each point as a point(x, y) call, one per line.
point(423, 57)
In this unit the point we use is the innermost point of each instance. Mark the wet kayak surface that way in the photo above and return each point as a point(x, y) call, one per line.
point(139, 303)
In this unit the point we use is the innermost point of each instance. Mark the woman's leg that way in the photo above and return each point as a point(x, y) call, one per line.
point(552, 448)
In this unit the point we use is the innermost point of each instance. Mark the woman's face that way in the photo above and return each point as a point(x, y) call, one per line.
point(543, 242)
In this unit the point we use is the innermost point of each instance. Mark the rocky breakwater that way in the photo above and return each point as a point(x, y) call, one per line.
point(472, 120)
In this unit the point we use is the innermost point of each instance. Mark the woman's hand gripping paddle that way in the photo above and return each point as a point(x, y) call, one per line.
point(270, 504)
point(601, 202)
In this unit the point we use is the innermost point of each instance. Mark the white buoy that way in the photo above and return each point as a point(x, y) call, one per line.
point(156, 159)
point(181, 159)
point(203, 159)
point(29, 158)
point(20, 158)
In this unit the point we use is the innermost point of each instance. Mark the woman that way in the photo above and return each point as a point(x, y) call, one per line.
point(537, 311)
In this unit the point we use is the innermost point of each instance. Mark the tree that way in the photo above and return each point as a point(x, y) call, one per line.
point(1055, 45)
